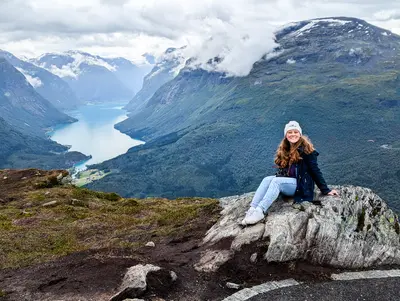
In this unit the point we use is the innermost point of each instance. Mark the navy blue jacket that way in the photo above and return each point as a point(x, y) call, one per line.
point(308, 173)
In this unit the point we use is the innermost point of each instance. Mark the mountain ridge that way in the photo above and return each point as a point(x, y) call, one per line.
point(47, 84)
point(111, 79)
point(211, 135)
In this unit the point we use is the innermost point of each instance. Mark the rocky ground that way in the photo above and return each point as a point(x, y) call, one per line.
point(60, 242)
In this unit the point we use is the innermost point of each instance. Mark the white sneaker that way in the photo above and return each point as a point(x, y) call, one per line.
point(248, 213)
point(256, 216)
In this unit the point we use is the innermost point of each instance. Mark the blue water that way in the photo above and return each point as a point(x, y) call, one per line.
point(94, 133)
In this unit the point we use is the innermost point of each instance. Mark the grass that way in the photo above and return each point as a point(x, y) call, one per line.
point(89, 220)
point(88, 176)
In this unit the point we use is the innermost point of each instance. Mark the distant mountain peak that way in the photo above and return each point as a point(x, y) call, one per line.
point(340, 25)
point(68, 64)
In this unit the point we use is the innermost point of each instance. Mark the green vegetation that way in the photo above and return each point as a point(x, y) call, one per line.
point(88, 176)
point(90, 220)
point(226, 142)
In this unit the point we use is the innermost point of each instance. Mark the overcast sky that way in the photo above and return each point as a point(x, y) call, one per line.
point(130, 28)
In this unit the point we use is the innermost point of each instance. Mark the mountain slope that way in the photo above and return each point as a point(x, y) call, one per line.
point(163, 71)
point(93, 78)
point(23, 151)
point(209, 135)
point(50, 86)
point(22, 107)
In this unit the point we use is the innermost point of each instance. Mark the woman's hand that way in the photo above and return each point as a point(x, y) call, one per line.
point(333, 192)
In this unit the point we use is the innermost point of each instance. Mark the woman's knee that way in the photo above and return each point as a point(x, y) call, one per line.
point(268, 179)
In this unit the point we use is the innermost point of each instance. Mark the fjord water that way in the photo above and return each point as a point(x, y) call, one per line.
point(94, 133)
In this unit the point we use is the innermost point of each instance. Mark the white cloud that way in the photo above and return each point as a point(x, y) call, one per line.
point(240, 31)
point(34, 81)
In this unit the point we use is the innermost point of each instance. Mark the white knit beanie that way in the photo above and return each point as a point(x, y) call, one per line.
point(292, 125)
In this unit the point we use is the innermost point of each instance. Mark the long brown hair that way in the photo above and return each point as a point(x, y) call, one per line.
point(287, 154)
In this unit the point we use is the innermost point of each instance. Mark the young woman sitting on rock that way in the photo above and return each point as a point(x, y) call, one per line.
point(296, 159)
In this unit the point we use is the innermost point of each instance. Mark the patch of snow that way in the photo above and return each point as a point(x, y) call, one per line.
point(68, 70)
point(257, 82)
point(7, 94)
point(334, 21)
point(34, 81)
point(355, 51)
point(304, 28)
point(181, 65)
point(307, 28)
point(384, 33)
point(159, 70)
point(27, 124)
point(91, 60)
point(290, 61)
point(73, 69)
point(286, 26)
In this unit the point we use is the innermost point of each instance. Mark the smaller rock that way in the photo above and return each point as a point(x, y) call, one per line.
point(23, 178)
point(79, 203)
point(232, 285)
point(66, 180)
point(253, 257)
point(150, 244)
point(47, 193)
point(5, 178)
point(174, 276)
point(59, 177)
point(50, 204)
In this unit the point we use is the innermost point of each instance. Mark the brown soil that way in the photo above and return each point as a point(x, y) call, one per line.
point(97, 275)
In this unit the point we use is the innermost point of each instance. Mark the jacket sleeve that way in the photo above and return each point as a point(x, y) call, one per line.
point(316, 174)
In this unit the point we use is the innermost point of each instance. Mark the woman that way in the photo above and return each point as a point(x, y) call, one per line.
point(298, 170)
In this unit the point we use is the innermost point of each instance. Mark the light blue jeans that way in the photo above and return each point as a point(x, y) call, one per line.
point(269, 190)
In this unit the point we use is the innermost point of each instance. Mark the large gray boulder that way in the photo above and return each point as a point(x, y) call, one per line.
point(354, 230)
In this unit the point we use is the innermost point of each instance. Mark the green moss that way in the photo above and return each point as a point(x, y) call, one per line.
point(84, 193)
point(103, 224)
point(38, 197)
point(2, 293)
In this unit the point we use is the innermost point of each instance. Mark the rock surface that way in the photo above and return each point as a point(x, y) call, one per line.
point(354, 230)
point(134, 282)
point(139, 277)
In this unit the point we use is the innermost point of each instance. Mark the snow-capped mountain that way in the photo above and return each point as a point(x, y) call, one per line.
point(22, 106)
point(212, 135)
point(167, 67)
point(50, 86)
point(94, 78)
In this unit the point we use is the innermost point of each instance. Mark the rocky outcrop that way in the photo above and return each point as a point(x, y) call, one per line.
point(354, 230)
point(136, 279)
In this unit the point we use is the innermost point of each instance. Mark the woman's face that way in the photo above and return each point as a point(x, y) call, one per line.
point(293, 136)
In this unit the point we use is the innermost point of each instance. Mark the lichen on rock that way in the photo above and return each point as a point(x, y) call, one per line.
point(353, 230)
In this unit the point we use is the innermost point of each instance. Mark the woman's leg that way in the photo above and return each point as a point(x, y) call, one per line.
point(261, 191)
point(278, 184)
